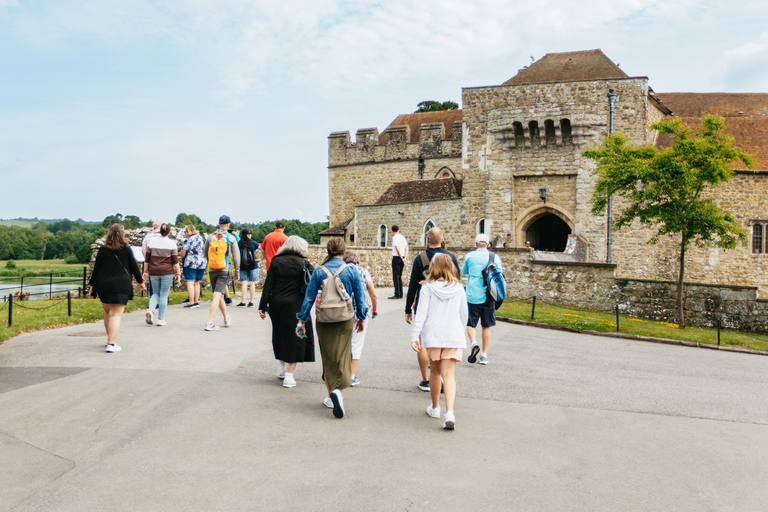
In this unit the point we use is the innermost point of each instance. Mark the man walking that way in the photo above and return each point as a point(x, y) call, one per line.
point(434, 246)
point(273, 241)
point(223, 255)
point(481, 307)
point(399, 256)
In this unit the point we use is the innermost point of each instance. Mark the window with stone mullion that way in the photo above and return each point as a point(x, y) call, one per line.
point(757, 239)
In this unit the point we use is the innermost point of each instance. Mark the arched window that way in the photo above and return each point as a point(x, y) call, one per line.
point(383, 235)
point(443, 173)
point(549, 131)
point(427, 226)
point(483, 226)
point(757, 239)
point(533, 131)
point(519, 134)
point(565, 130)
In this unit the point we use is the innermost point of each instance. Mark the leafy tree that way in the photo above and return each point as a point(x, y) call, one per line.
point(131, 222)
point(669, 189)
point(112, 219)
point(436, 106)
point(183, 219)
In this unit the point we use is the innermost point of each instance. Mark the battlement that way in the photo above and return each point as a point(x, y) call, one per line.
point(435, 140)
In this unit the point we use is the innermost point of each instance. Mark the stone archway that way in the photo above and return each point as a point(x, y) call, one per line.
point(547, 228)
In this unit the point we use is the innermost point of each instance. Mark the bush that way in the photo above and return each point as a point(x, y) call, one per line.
point(72, 259)
point(10, 264)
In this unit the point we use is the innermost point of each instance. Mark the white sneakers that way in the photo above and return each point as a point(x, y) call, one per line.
point(161, 323)
point(211, 327)
point(149, 318)
point(281, 373)
point(113, 348)
point(433, 412)
point(450, 421)
point(289, 382)
point(228, 321)
point(338, 403)
point(328, 402)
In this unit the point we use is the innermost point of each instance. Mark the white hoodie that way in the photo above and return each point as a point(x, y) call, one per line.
point(441, 318)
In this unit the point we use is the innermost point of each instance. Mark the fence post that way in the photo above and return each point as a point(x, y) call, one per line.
point(718, 332)
point(50, 286)
point(533, 309)
point(22, 285)
point(69, 303)
point(617, 318)
point(10, 310)
point(85, 269)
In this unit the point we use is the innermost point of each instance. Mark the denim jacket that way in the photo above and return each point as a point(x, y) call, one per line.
point(349, 277)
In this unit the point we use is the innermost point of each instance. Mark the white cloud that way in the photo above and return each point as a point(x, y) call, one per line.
point(746, 67)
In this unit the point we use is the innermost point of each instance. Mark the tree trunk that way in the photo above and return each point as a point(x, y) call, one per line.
point(680, 313)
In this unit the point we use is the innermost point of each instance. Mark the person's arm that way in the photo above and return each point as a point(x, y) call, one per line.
point(257, 255)
point(359, 294)
point(96, 270)
point(465, 268)
point(413, 286)
point(464, 311)
point(266, 293)
point(405, 255)
point(235, 252)
point(309, 297)
point(421, 314)
point(372, 294)
point(134, 267)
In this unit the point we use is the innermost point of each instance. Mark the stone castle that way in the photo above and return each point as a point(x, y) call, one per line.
point(509, 164)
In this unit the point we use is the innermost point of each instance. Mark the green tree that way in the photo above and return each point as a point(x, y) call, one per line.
point(112, 219)
point(435, 106)
point(669, 190)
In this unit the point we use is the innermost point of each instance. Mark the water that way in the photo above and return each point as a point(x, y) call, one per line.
point(40, 287)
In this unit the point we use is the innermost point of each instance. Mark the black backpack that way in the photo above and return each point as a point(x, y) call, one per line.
point(247, 261)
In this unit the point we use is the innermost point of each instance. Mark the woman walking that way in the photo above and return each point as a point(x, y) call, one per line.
point(358, 338)
point(249, 265)
point(161, 266)
point(345, 302)
point(111, 280)
point(281, 298)
point(195, 264)
point(440, 326)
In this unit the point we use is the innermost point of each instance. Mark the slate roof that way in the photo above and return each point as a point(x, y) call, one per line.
point(568, 67)
point(746, 118)
point(338, 230)
point(447, 117)
point(421, 190)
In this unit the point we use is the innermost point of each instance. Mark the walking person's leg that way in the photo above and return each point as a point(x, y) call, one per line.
point(196, 293)
point(435, 384)
point(165, 290)
point(154, 299)
point(253, 291)
point(447, 370)
point(112, 315)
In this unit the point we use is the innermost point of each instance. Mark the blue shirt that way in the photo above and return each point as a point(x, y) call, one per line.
point(474, 264)
point(194, 257)
point(349, 278)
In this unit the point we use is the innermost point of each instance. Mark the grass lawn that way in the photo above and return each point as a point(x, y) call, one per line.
point(589, 320)
point(83, 311)
point(37, 267)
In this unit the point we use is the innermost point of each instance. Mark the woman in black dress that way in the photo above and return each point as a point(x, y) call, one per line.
point(282, 297)
point(111, 280)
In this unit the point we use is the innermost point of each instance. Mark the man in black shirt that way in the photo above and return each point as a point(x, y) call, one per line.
point(434, 241)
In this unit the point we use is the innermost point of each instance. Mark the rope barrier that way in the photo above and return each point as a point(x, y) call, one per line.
point(5, 303)
point(19, 305)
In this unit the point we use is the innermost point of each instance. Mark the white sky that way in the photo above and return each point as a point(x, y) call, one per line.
point(152, 108)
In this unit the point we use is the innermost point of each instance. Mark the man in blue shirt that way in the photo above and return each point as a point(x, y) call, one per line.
point(481, 307)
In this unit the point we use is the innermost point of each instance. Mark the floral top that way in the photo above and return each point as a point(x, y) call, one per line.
point(195, 257)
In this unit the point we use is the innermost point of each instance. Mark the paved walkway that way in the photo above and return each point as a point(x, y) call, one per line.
point(184, 419)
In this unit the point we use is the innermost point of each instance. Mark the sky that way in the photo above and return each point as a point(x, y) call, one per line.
point(211, 107)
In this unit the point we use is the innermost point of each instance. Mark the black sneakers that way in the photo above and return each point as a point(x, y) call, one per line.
point(473, 353)
point(424, 385)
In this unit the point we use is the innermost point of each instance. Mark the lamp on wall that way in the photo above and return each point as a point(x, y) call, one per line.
point(543, 194)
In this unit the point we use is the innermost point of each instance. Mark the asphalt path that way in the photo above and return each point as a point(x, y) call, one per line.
point(184, 419)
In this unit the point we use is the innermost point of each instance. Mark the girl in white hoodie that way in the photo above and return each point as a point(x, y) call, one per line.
point(440, 326)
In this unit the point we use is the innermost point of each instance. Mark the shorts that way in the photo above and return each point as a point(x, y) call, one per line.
point(251, 276)
point(436, 354)
point(486, 313)
point(114, 298)
point(219, 280)
point(358, 340)
point(194, 274)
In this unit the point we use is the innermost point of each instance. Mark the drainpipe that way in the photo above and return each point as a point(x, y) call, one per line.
point(613, 98)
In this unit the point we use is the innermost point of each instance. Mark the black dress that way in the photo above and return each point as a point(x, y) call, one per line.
point(111, 276)
point(282, 298)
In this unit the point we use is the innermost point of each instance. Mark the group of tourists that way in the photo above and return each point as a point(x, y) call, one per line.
point(341, 291)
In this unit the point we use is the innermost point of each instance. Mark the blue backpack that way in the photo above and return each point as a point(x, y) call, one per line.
point(496, 285)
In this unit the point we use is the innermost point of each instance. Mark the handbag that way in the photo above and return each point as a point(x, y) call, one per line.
point(307, 276)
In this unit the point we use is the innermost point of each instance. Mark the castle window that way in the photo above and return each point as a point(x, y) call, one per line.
point(482, 226)
point(444, 172)
point(519, 134)
point(533, 130)
point(427, 226)
point(383, 235)
point(757, 239)
point(565, 130)
point(549, 130)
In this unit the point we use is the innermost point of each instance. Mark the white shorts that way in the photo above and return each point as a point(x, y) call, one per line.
point(358, 340)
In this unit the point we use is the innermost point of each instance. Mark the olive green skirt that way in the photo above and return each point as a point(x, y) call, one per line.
point(335, 340)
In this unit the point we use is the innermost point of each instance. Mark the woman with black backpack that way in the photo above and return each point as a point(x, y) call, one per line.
point(249, 265)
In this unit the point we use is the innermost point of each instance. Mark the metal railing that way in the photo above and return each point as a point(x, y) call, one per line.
point(55, 283)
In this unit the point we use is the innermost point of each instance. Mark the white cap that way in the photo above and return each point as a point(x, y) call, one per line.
point(482, 238)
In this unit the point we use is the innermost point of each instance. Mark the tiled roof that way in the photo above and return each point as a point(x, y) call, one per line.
point(746, 118)
point(338, 229)
point(568, 67)
point(447, 117)
point(421, 190)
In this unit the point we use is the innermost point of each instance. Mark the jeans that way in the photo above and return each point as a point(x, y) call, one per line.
point(161, 287)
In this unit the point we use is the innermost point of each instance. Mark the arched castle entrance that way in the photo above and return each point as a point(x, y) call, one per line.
point(547, 228)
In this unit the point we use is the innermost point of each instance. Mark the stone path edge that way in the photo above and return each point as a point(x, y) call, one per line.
point(635, 337)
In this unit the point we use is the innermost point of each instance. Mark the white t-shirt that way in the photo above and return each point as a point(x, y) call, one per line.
point(399, 241)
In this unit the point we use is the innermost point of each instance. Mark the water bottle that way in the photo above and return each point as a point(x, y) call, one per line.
point(319, 296)
point(344, 294)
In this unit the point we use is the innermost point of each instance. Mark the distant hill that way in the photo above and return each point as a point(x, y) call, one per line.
point(28, 223)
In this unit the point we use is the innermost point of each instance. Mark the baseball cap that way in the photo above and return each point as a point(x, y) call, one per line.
point(482, 238)
point(224, 220)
